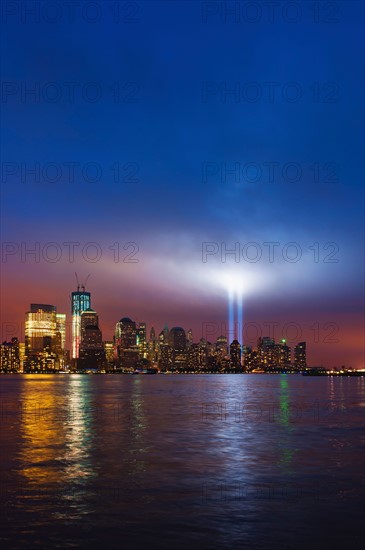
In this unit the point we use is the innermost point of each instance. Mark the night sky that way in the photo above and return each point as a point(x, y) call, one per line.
point(153, 137)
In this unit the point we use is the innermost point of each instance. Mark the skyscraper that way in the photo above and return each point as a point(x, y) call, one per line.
point(221, 346)
point(178, 344)
point(92, 352)
point(285, 353)
point(300, 356)
point(142, 340)
point(109, 354)
point(9, 356)
point(40, 329)
point(44, 338)
point(268, 352)
point(126, 333)
point(189, 337)
point(80, 301)
point(21, 355)
point(125, 342)
point(152, 346)
point(89, 317)
point(61, 337)
point(61, 328)
point(202, 354)
point(235, 355)
point(164, 354)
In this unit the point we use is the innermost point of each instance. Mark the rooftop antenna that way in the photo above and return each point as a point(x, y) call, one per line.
point(81, 285)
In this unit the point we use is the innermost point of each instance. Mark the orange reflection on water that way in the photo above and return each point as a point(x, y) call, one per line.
point(41, 430)
point(56, 434)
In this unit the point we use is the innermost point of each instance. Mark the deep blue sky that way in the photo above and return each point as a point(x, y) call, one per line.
point(169, 132)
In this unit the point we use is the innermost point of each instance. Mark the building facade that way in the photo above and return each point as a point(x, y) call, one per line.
point(44, 339)
point(80, 301)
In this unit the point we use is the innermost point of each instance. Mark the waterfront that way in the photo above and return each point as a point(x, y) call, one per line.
point(188, 461)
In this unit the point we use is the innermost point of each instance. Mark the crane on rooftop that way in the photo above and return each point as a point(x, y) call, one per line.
point(81, 285)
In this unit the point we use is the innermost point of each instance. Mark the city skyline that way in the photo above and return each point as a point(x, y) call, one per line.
point(81, 324)
point(133, 351)
point(324, 338)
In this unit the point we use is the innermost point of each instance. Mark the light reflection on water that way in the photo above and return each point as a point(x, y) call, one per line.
point(182, 461)
point(287, 452)
point(79, 469)
point(41, 433)
point(57, 437)
point(137, 426)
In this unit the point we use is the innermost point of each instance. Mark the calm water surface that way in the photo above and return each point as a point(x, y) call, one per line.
point(188, 461)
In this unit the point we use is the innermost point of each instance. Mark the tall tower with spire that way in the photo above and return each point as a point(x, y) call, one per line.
point(80, 302)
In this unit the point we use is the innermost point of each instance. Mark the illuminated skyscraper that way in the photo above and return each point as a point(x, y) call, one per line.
point(40, 329)
point(268, 352)
point(109, 353)
point(164, 350)
point(61, 329)
point(152, 346)
point(203, 349)
point(189, 337)
point(126, 333)
point(251, 358)
point(91, 339)
point(164, 355)
point(235, 355)
point(61, 336)
point(89, 317)
point(44, 338)
point(9, 356)
point(178, 344)
point(285, 353)
point(21, 355)
point(92, 352)
point(80, 301)
point(125, 342)
point(300, 356)
point(142, 340)
point(222, 346)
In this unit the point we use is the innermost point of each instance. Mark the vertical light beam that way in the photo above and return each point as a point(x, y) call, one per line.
point(230, 334)
point(240, 317)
